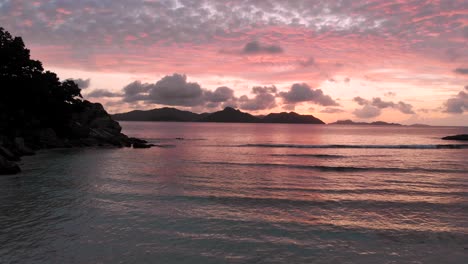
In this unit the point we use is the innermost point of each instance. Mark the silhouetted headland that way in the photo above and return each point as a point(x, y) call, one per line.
point(38, 111)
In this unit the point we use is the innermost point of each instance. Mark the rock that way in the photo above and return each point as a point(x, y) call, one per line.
point(48, 139)
point(463, 137)
point(22, 148)
point(106, 123)
point(142, 145)
point(8, 167)
point(137, 140)
point(77, 130)
point(7, 154)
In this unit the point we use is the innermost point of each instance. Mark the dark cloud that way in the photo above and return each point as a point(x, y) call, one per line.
point(367, 111)
point(264, 99)
point(264, 89)
point(256, 47)
point(175, 90)
point(404, 108)
point(377, 102)
point(461, 70)
point(390, 94)
point(301, 92)
point(221, 94)
point(82, 83)
point(136, 91)
point(332, 110)
point(360, 101)
point(100, 93)
point(457, 104)
point(307, 62)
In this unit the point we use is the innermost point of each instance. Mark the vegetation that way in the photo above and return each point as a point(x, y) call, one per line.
point(31, 97)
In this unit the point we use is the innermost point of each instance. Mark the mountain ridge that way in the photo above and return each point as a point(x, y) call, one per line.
point(227, 115)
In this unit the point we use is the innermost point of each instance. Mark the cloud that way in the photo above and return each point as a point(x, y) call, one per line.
point(307, 62)
point(377, 102)
point(404, 108)
point(457, 104)
point(136, 91)
point(264, 99)
point(100, 93)
point(461, 70)
point(367, 111)
point(360, 101)
point(82, 83)
point(221, 94)
point(301, 92)
point(175, 90)
point(332, 110)
point(256, 47)
point(390, 94)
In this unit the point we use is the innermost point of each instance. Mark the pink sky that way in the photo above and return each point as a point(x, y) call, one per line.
point(397, 61)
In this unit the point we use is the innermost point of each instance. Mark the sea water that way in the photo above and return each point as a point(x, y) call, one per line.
point(243, 193)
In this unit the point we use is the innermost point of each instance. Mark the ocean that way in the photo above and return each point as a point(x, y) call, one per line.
point(243, 193)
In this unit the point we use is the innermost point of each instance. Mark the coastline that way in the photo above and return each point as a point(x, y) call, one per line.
point(91, 127)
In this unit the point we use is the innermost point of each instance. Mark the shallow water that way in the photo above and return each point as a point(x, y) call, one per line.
point(244, 193)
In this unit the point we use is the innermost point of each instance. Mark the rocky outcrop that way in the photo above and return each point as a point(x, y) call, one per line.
point(8, 167)
point(462, 137)
point(90, 126)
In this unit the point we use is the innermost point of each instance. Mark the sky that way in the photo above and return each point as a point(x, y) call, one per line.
point(396, 61)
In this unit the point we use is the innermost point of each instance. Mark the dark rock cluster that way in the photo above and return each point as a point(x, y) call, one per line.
point(90, 127)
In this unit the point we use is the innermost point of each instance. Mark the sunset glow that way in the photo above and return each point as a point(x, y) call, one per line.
point(397, 61)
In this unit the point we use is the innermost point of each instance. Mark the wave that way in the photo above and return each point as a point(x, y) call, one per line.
point(334, 168)
point(438, 146)
point(324, 204)
point(365, 191)
point(324, 156)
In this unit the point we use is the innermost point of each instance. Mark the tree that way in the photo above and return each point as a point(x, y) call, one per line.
point(31, 98)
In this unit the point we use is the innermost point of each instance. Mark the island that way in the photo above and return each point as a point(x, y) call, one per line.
point(376, 123)
point(227, 115)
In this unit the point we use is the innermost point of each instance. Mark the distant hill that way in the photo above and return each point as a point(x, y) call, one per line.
point(158, 114)
point(376, 123)
point(291, 118)
point(419, 125)
point(230, 115)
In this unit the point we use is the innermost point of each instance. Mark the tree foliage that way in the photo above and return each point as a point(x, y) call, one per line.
point(30, 97)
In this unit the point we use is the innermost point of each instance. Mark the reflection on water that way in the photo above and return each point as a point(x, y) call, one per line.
point(211, 199)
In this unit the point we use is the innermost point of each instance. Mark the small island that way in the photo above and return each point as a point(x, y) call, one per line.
point(376, 123)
